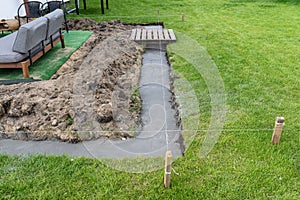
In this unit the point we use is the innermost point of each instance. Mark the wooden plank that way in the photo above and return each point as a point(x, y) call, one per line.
point(144, 34)
point(133, 33)
point(279, 123)
point(25, 70)
point(138, 34)
point(11, 65)
point(168, 167)
point(166, 35)
point(160, 35)
point(149, 35)
point(155, 37)
point(172, 35)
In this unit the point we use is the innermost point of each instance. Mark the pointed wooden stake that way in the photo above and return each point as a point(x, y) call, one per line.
point(279, 123)
point(168, 167)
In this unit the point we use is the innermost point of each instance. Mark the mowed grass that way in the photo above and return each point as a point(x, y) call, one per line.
point(255, 45)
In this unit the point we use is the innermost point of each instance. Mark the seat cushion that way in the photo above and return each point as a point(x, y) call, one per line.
point(6, 53)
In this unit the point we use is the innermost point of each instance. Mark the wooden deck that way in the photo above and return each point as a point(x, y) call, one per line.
point(153, 35)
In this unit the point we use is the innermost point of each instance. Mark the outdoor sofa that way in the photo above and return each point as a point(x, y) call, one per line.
point(23, 47)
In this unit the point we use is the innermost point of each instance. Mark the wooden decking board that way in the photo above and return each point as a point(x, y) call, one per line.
point(153, 35)
point(144, 34)
point(160, 35)
point(172, 35)
point(149, 34)
point(166, 34)
point(133, 33)
point(138, 34)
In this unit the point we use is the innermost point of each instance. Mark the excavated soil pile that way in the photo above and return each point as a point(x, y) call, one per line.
point(92, 95)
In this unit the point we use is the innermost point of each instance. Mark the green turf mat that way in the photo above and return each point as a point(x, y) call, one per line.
point(47, 65)
point(4, 33)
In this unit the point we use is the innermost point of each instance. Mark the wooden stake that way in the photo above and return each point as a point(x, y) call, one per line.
point(168, 166)
point(158, 15)
point(279, 123)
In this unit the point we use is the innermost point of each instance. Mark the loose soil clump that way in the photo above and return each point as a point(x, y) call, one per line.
point(90, 96)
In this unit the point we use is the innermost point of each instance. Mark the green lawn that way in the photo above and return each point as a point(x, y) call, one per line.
point(255, 46)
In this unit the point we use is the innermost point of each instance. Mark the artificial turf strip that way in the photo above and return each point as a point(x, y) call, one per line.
point(48, 65)
point(2, 34)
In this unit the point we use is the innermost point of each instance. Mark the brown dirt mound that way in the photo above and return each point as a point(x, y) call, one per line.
point(95, 85)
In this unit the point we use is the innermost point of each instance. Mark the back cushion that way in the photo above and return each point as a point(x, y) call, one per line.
point(30, 35)
point(55, 20)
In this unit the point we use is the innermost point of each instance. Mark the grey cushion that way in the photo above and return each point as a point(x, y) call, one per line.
point(55, 20)
point(30, 35)
point(6, 53)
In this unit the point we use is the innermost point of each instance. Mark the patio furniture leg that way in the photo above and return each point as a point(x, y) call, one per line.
point(25, 70)
point(84, 4)
point(62, 39)
point(76, 5)
point(102, 7)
